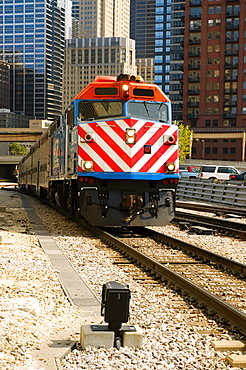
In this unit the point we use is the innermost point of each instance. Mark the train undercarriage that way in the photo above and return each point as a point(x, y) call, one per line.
point(115, 202)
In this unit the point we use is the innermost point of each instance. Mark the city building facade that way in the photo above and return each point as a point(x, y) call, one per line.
point(169, 52)
point(142, 27)
point(142, 30)
point(32, 35)
point(162, 44)
point(4, 85)
point(100, 18)
point(214, 83)
point(145, 69)
point(87, 58)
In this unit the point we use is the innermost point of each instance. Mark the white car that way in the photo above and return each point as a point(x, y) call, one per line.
point(217, 172)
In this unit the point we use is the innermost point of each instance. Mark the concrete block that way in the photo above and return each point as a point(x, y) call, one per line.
point(228, 345)
point(237, 361)
point(95, 338)
point(133, 338)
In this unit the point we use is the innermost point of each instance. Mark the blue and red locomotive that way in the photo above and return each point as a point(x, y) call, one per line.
point(112, 158)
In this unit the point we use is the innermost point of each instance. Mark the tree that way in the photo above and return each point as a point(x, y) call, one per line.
point(17, 149)
point(185, 136)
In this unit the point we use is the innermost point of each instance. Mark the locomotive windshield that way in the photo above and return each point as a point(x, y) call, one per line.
point(156, 111)
point(90, 110)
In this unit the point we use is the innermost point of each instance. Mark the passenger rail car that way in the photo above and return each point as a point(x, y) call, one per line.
point(112, 157)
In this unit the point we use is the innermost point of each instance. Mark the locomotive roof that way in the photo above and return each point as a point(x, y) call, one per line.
point(123, 87)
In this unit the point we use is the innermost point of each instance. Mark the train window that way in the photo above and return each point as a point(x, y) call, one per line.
point(156, 111)
point(99, 109)
point(106, 91)
point(143, 92)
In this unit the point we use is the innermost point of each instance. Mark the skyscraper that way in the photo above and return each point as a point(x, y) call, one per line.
point(32, 35)
point(142, 27)
point(4, 85)
point(87, 58)
point(214, 95)
point(100, 18)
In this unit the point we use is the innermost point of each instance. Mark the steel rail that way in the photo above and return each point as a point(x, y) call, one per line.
point(232, 314)
point(203, 207)
point(235, 228)
point(198, 251)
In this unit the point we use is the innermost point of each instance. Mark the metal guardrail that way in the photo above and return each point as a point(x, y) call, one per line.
point(234, 195)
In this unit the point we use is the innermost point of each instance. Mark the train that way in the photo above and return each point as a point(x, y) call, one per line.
point(112, 158)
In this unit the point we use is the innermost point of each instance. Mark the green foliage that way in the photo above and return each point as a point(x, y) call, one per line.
point(185, 136)
point(17, 149)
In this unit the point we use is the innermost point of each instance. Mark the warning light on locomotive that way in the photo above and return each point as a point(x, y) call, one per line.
point(130, 136)
point(170, 167)
point(87, 165)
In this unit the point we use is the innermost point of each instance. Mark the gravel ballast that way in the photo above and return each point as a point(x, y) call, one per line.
point(34, 307)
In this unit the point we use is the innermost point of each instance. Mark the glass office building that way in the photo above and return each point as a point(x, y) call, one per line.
point(32, 35)
point(162, 44)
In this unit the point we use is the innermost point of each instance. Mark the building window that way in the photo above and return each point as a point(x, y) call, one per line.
point(207, 150)
point(215, 123)
point(232, 150)
point(210, 23)
point(209, 86)
point(113, 56)
point(99, 56)
point(209, 73)
point(208, 111)
point(215, 150)
point(86, 56)
point(209, 61)
point(207, 123)
point(208, 99)
point(225, 150)
point(105, 55)
point(93, 56)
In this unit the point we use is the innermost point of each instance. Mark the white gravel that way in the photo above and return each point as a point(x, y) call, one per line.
point(33, 305)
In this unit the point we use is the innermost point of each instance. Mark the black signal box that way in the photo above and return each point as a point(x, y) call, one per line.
point(115, 304)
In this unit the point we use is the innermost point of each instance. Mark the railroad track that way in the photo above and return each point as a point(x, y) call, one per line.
point(211, 208)
point(181, 264)
point(183, 268)
point(236, 229)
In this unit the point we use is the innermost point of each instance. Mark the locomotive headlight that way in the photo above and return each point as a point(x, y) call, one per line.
point(130, 136)
point(125, 91)
point(125, 87)
point(87, 165)
point(170, 167)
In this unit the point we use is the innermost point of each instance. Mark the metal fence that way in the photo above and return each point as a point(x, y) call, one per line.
point(210, 192)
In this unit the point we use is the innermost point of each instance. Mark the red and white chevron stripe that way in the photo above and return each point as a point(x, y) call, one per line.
point(110, 153)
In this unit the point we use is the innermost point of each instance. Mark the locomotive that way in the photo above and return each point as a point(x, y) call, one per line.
point(111, 158)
